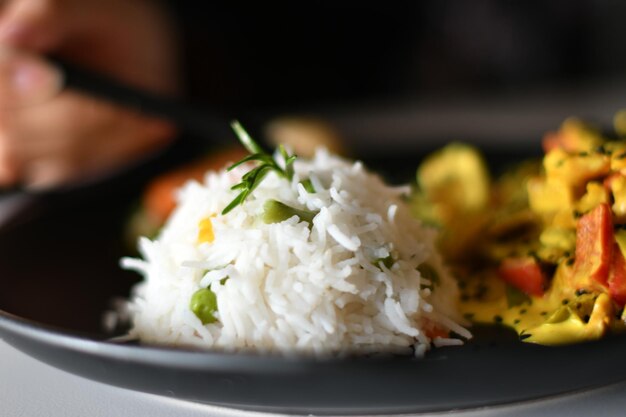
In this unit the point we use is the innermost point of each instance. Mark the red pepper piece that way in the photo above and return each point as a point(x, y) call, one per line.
point(524, 274)
point(617, 276)
point(594, 248)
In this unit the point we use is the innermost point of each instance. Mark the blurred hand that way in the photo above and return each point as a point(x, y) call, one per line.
point(65, 137)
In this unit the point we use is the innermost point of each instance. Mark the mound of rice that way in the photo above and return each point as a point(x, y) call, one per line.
point(293, 286)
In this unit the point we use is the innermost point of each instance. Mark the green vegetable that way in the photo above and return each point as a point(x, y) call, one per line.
point(388, 262)
point(266, 164)
point(308, 186)
point(204, 305)
point(276, 212)
point(428, 272)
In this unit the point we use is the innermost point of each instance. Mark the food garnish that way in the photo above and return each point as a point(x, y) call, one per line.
point(267, 163)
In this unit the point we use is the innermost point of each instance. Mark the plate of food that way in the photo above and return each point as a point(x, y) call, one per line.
point(273, 282)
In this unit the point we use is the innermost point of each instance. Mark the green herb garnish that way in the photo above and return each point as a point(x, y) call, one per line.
point(267, 163)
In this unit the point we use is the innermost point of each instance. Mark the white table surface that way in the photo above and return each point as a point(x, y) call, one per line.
point(29, 388)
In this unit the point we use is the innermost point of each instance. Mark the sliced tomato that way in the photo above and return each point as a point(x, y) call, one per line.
point(525, 274)
point(594, 248)
point(617, 276)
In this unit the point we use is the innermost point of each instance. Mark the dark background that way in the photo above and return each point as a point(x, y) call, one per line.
point(416, 73)
point(286, 53)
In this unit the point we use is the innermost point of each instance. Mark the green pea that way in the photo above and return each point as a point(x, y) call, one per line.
point(204, 304)
point(276, 212)
point(388, 262)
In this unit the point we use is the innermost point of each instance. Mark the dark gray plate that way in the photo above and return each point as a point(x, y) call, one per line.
point(59, 271)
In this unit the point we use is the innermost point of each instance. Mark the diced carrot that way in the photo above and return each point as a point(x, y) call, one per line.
point(205, 231)
point(159, 200)
point(435, 332)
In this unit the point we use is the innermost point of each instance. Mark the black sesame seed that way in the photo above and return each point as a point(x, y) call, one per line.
point(523, 311)
point(565, 301)
point(569, 262)
point(497, 319)
point(481, 290)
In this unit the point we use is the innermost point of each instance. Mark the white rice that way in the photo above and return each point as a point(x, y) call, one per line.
point(295, 287)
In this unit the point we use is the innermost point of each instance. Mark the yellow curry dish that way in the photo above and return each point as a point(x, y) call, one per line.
point(542, 248)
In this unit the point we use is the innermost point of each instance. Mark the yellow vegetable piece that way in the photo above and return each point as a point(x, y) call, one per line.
point(206, 233)
point(618, 189)
point(564, 326)
point(564, 219)
point(618, 155)
point(548, 197)
point(575, 169)
point(554, 160)
point(559, 238)
point(457, 176)
point(596, 194)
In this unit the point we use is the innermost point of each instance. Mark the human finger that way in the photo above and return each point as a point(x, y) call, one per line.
point(36, 25)
point(26, 79)
point(74, 136)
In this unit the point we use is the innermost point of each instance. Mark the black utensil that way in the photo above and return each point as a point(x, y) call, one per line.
point(202, 122)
